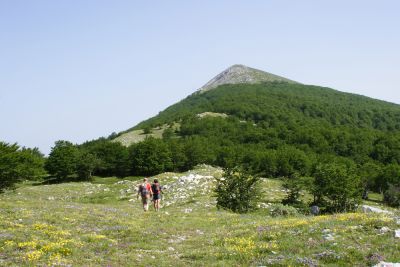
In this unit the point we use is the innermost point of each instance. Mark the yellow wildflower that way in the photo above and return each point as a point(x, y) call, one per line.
point(33, 255)
point(30, 244)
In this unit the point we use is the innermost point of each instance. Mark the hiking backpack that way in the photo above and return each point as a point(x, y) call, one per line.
point(156, 188)
point(143, 190)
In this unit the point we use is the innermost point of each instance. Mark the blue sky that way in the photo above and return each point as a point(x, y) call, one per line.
point(77, 70)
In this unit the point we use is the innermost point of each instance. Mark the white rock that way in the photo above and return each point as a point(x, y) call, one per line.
point(397, 233)
point(329, 237)
point(367, 209)
point(199, 232)
point(171, 249)
point(384, 230)
point(188, 210)
point(387, 264)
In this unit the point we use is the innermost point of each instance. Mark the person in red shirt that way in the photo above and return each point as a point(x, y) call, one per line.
point(145, 192)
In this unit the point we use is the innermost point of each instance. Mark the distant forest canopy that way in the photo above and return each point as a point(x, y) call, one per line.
point(284, 103)
point(273, 129)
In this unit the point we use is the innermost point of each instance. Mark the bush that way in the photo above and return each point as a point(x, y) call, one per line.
point(277, 210)
point(337, 187)
point(392, 196)
point(238, 191)
point(294, 185)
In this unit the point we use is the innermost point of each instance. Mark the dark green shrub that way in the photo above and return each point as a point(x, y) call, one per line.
point(337, 187)
point(279, 210)
point(392, 196)
point(238, 191)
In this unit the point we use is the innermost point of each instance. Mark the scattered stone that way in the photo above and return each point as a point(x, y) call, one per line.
point(387, 264)
point(307, 262)
point(375, 257)
point(384, 230)
point(329, 237)
point(123, 182)
point(397, 233)
point(263, 205)
point(188, 210)
point(325, 231)
point(367, 209)
point(199, 232)
point(329, 254)
point(171, 249)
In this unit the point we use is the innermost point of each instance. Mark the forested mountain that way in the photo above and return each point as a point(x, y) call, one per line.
point(279, 127)
point(266, 124)
point(285, 103)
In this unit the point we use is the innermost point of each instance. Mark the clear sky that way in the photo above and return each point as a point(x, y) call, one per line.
point(80, 69)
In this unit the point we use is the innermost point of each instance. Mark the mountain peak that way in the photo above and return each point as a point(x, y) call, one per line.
point(242, 74)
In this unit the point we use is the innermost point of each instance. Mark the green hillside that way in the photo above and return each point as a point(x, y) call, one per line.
point(264, 120)
point(280, 102)
point(280, 129)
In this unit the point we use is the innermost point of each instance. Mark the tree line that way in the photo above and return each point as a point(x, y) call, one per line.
point(18, 164)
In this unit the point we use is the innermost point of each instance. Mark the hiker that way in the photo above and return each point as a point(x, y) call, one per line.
point(145, 192)
point(157, 191)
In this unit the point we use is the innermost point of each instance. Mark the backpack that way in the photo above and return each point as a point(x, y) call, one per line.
point(156, 188)
point(143, 190)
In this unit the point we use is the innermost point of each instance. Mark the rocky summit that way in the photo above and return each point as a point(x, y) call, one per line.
point(237, 74)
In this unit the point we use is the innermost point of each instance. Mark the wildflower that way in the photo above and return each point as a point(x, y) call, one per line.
point(30, 244)
point(33, 255)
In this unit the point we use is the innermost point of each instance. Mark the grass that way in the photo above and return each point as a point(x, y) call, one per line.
point(135, 136)
point(102, 224)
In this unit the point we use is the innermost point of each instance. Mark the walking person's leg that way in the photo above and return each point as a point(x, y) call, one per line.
point(145, 201)
point(158, 204)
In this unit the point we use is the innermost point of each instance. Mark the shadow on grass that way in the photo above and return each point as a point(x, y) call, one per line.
point(54, 180)
point(95, 180)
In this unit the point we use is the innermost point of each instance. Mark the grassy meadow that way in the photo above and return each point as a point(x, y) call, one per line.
point(102, 224)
